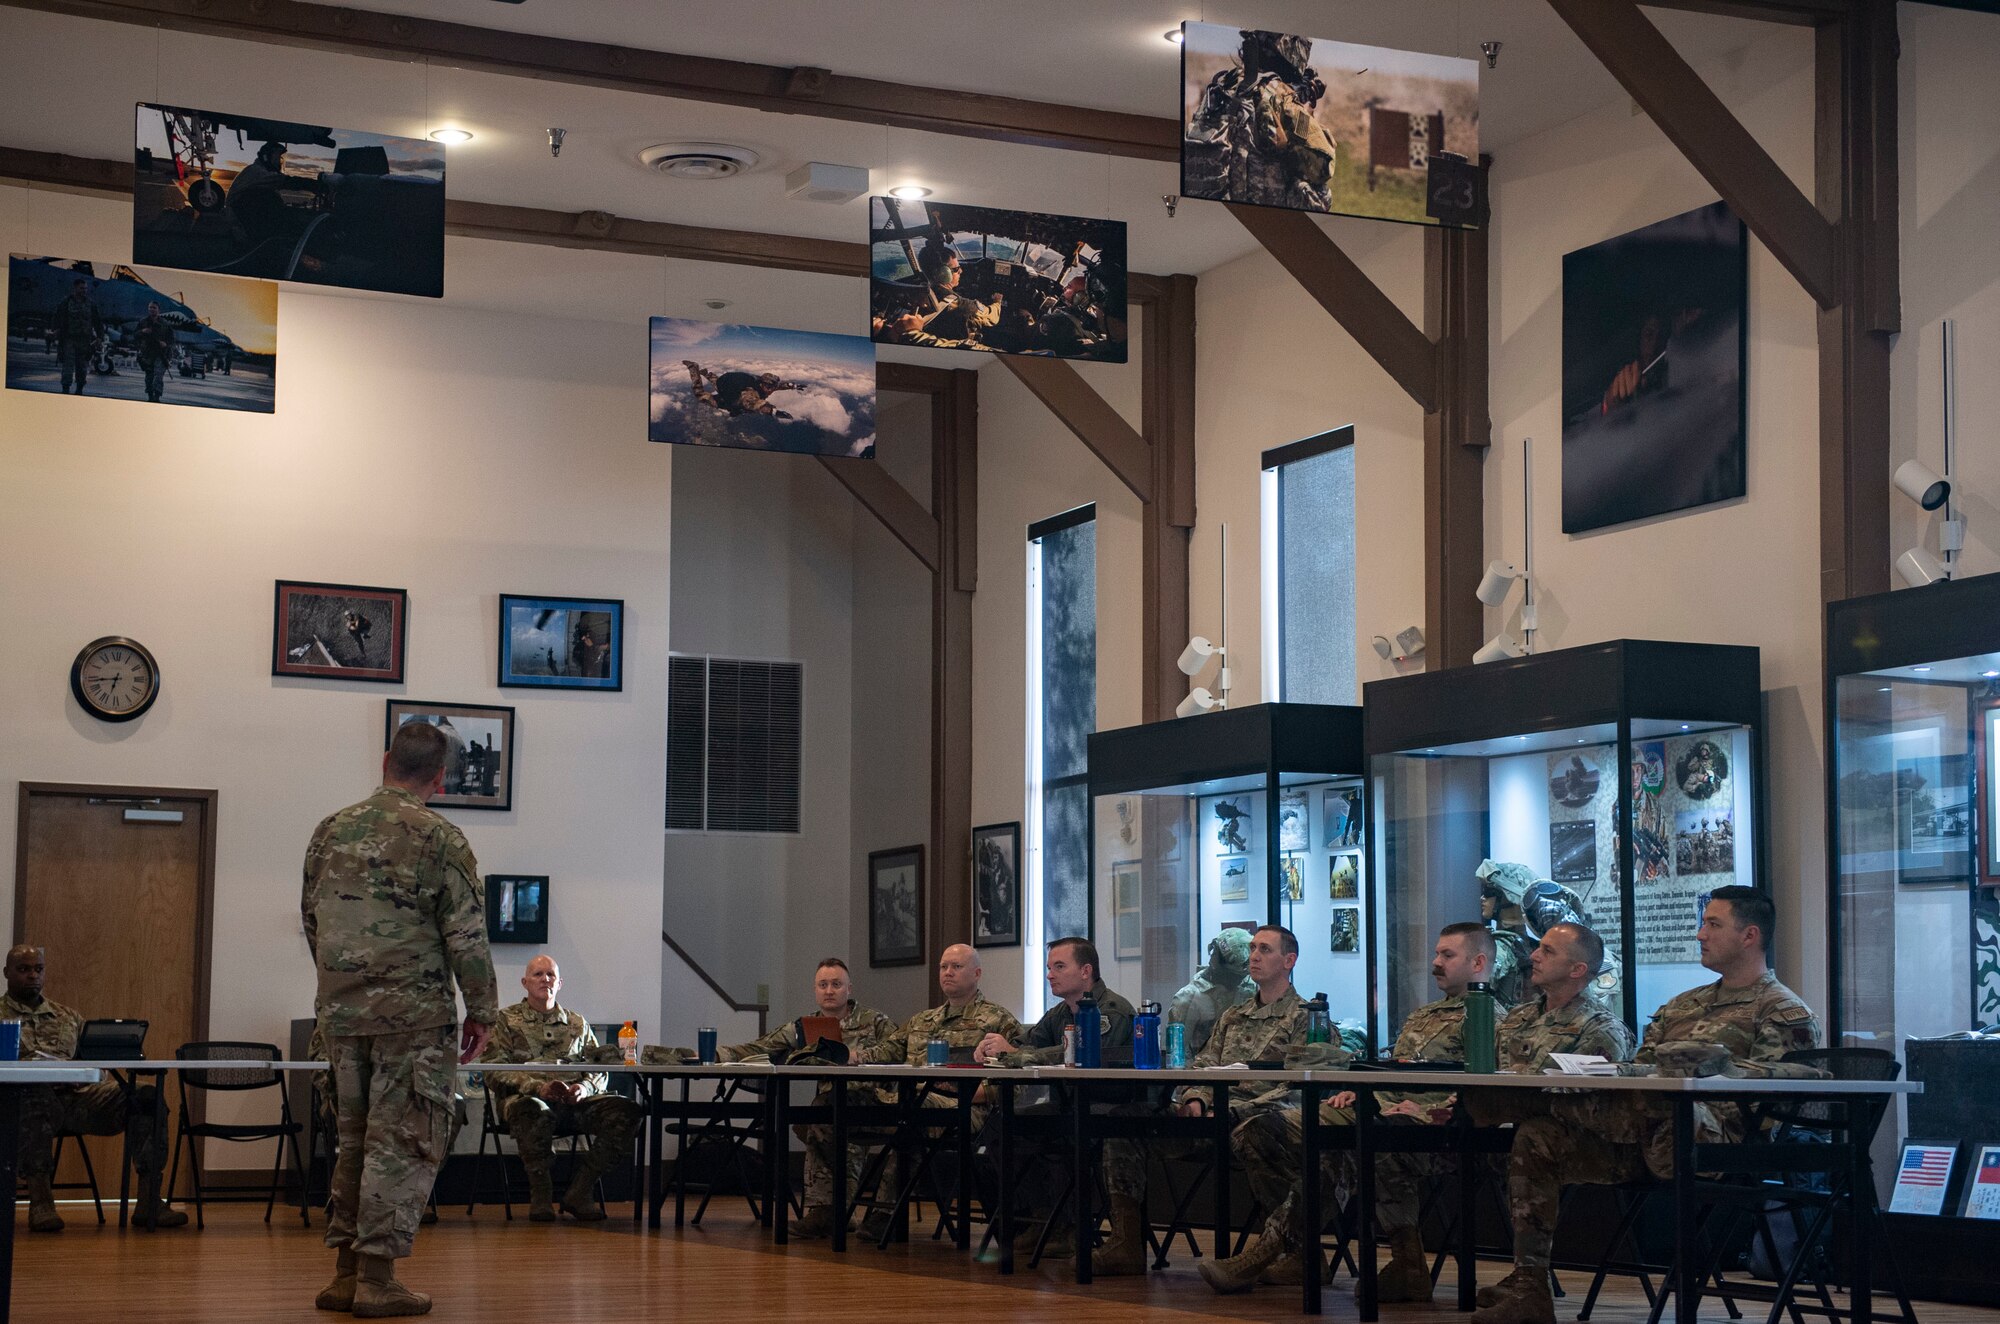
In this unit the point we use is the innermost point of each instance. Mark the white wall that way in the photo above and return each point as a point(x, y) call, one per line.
point(415, 445)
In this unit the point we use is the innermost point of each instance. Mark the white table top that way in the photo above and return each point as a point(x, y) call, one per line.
point(47, 1073)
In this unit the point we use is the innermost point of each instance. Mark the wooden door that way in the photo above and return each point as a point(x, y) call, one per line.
point(116, 883)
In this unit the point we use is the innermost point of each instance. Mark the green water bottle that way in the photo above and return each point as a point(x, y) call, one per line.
point(1319, 1025)
point(1481, 1054)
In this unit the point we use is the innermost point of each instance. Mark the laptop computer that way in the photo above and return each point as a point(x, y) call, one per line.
point(111, 1040)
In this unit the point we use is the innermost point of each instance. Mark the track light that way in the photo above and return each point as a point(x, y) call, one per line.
point(1199, 700)
point(1915, 481)
point(1500, 647)
point(1195, 656)
point(1499, 577)
point(1918, 568)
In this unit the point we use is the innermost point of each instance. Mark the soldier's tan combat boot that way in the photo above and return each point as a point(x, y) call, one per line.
point(377, 1294)
point(1061, 1244)
point(814, 1223)
point(154, 1212)
point(1407, 1275)
point(541, 1193)
point(1125, 1252)
point(1490, 1294)
point(580, 1200)
point(339, 1294)
point(1288, 1270)
point(1239, 1273)
point(42, 1215)
point(1524, 1298)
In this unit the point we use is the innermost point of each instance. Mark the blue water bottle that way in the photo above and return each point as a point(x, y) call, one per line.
point(1146, 1037)
point(1089, 1033)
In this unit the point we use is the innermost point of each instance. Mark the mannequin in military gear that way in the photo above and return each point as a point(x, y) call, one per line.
point(1254, 137)
point(1520, 908)
point(1215, 988)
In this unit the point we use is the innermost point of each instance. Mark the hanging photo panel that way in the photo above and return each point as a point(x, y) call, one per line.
point(761, 388)
point(1280, 120)
point(1005, 282)
point(120, 332)
point(248, 196)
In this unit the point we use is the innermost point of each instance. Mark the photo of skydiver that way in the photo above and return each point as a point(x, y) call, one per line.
point(738, 393)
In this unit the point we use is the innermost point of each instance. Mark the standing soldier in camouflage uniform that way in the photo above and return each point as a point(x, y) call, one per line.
point(327, 1115)
point(1267, 1145)
point(1741, 1025)
point(539, 1107)
point(861, 1029)
point(49, 1030)
point(1215, 988)
point(1263, 1029)
point(1255, 135)
point(393, 913)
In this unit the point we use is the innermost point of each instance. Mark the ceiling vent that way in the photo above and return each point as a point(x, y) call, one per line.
point(699, 160)
point(816, 181)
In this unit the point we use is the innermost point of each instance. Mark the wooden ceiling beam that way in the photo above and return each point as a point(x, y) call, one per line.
point(1078, 407)
point(787, 90)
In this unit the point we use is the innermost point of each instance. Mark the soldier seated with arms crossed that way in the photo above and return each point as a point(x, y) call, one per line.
point(49, 1030)
point(1741, 1025)
point(538, 1108)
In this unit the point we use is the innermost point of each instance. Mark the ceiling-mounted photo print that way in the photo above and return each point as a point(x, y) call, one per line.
point(761, 388)
point(246, 196)
point(1279, 120)
point(78, 327)
point(1655, 333)
point(1005, 282)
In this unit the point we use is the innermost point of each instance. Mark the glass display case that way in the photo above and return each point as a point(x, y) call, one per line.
point(1617, 784)
point(1230, 819)
point(1913, 715)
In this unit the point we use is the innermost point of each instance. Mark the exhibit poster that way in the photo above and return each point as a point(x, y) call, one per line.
point(119, 332)
point(1233, 825)
point(1281, 120)
point(1921, 1177)
point(1343, 877)
point(1573, 852)
point(1704, 842)
point(1235, 870)
point(248, 196)
point(1346, 929)
point(1654, 343)
point(1982, 1187)
point(947, 276)
point(1341, 810)
point(1934, 819)
point(1292, 826)
point(1293, 870)
point(761, 388)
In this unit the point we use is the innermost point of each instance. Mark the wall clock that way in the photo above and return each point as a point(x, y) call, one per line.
point(114, 678)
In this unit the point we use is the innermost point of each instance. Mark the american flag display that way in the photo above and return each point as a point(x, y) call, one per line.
point(1921, 1178)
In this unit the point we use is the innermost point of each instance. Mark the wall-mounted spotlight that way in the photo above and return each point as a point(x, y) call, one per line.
point(1493, 585)
point(1407, 645)
point(1500, 647)
point(1933, 491)
point(1918, 568)
point(1915, 481)
point(1499, 578)
point(1199, 650)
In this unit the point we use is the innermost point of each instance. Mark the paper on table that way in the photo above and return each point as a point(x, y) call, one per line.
point(1581, 1064)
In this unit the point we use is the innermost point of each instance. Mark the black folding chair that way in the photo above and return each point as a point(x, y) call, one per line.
point(492, 1130)
point(234, 1080)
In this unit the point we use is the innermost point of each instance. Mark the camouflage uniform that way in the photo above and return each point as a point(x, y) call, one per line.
point(527, 1034)
point(861, 1029)
point(960, 1027)
point(1253, 136)
point(1603, 1138)
point(393, 912)
point(1248, 1032)
point(49, 1030)
point(1201, 1002)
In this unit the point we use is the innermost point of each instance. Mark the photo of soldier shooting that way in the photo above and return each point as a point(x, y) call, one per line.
point(1280, 120)
point(246, 196)
point(1005, 282)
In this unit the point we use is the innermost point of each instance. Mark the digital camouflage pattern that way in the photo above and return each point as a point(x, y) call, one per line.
point(393, 1102)
point(861, 1028)
point(394, 911)
point(1604, 1139)
point(524, 1033)
point(1528, 1036)
point(48, 1029)
point(1044, 1043)
point(960, 1027)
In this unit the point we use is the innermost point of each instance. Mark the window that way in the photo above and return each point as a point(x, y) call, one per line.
point(1062, 712)
point(1308, 570)
point(733, 744)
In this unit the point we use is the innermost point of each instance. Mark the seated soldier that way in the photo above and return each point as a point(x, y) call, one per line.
point(49, 1030)
point(539, 1107)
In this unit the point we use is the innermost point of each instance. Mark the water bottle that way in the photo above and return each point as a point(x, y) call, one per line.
point(1319, 1025)
point(1480, 1051)
point(628, 1042)
point(1177, 1045)
point(1146, 1037)
point(1089, 1033)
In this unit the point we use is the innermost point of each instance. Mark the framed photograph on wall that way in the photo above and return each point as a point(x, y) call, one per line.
point(996, 885)
point(896, 907)
point(517, 907)
point(562, 643)
point(339, 631)
point(1934, 819)
point(1988, 735)
point(479, 750)
point(1126, 877)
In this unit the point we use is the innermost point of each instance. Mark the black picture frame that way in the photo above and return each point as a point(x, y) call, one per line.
point(896, 907)
point(996, 885)
point(493, 773)
point(602, 670)
point(517, 907)
point(310, 635)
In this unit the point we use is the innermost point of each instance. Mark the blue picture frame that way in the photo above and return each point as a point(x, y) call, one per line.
point(550, 643)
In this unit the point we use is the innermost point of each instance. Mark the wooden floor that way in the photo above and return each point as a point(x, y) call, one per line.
point(487, 1270)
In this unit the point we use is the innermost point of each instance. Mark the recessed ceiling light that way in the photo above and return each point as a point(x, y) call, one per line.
point(1920, 670)
point(1684, 726)
point(1883, 690)
point(909, 192)
point(1175, 36)
point(452, 136)
point(1990, 674)
point(699, 161)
